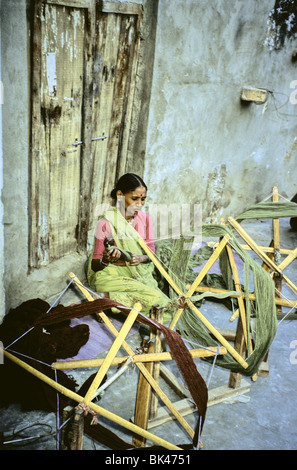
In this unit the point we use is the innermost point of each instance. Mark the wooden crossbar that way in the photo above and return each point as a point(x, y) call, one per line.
point(154, 357)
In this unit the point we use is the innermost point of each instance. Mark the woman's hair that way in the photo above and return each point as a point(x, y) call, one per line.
point(127, 183)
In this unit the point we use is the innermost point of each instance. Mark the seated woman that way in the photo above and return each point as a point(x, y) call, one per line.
point(131, 279)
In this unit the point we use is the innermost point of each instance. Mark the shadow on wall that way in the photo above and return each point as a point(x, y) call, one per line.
point(293, 220)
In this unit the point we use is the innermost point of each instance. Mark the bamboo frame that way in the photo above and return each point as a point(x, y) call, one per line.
point(140, 365)
point(190, 292)
point(275, 249)
point(98, 409)
point(253, 245)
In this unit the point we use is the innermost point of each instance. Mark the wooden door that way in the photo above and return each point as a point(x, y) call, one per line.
point(84, 59)
point(116, 58)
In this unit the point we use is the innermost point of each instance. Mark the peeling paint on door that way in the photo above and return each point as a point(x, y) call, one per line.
point(51, 74)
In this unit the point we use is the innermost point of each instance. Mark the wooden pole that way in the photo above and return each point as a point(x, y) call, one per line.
point(73, 431)
point(283, 302)
point(156, 339)
point(143, 401)
point(112, 352)
point(137, 358)
point(267, 249)
point(276, 246)
point(241, 338)
point(238, 289)
point(98, 409)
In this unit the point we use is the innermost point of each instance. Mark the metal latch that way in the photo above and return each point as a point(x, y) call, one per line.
point(96, 138)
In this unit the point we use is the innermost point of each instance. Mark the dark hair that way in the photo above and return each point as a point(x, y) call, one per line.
point(127, 183)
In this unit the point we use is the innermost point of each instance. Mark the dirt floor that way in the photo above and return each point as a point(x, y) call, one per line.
point(263, 417)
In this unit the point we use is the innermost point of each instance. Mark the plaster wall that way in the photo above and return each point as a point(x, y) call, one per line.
point(2, 292)
point(205, 146)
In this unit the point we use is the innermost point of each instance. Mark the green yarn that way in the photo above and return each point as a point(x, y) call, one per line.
point(264, 312)
point(269, 210)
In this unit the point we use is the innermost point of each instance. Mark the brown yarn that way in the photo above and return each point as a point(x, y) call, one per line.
point(180, 353)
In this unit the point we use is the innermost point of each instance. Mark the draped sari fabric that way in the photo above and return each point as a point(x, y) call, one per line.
point(127, 284)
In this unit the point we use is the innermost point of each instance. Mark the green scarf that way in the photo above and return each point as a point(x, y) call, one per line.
point(127, 284)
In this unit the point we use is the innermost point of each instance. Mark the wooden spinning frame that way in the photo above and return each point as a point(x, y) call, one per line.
point(270, 257)
point(151, 364)
point(104, 365)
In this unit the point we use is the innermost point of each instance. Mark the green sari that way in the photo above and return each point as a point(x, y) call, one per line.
point(127, 284)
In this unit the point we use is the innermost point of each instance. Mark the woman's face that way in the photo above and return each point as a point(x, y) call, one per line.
point(134, 200)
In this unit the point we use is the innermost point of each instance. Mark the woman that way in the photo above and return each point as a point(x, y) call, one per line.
point(124, 271)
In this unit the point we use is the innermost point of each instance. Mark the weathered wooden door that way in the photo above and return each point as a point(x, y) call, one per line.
point(84, 58)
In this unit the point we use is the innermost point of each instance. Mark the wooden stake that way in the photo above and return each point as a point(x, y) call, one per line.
point(73, 431)
point(155, 338)
point(143, 401)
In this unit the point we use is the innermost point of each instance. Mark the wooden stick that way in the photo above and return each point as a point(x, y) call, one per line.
point(215, 290)
point(268, 249)
point(156, 339)
point(143, 401)
point(98, 409)
point(155, 357)
point(276, 246)
point(112, 352)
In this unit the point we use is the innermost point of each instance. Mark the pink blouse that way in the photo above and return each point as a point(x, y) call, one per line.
point(141, 224)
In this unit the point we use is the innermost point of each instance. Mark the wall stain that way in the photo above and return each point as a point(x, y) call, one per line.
point(289, 153)
point(214, 192)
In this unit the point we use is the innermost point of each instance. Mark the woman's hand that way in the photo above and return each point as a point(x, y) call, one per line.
point(113, 257)
point(138, 259)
